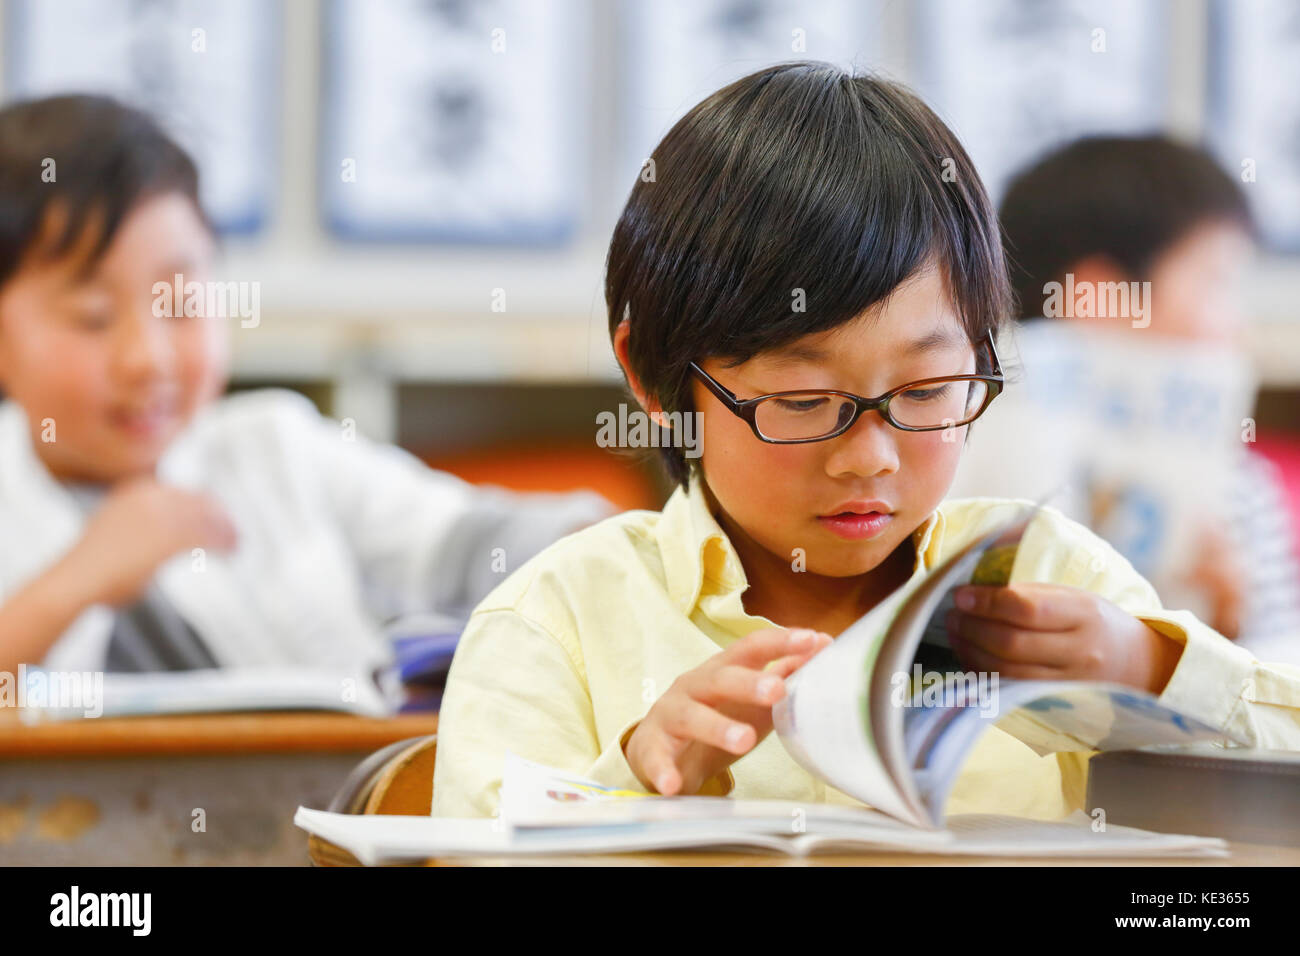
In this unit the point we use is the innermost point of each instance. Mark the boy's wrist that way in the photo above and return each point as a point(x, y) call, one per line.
point(37, 615)
point(1163, 656)
point(68, 588)
point(627, 756)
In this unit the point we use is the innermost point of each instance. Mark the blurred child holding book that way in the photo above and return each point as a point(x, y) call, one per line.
point(1108, 212)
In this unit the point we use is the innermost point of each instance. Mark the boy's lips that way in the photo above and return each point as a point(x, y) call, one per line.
point(143, 421)
point(857, 520)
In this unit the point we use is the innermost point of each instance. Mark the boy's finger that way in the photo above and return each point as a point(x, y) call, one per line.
point(742, 685)
point(755, 650)
point(695, 721)
point(1010, 643)
point(977, 658)
point(659, 766)
point(1032, 605)
point(785, 666)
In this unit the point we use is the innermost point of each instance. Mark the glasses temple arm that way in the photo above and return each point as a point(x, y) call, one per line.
point(715, 386)
point(993, 350)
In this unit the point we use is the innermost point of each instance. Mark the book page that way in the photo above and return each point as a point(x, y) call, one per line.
point(375, 839)
point(824, 723)
point(1063, 716)
point(540, 803)
point(534, 795)
point(838, 719)
point(1050, 717)
point(917, 634)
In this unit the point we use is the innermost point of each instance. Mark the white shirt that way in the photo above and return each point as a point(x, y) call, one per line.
point(337, 535)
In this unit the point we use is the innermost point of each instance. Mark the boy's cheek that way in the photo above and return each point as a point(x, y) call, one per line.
point(928, 466)
point(205, 363)
point(61, 383)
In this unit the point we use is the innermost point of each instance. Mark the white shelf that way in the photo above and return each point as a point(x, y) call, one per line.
point(470, 347)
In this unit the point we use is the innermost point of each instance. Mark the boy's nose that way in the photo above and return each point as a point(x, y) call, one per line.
point(869, 448)
point(143, 349)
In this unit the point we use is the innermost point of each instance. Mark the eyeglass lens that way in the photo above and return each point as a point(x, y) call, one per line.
point(936, 405)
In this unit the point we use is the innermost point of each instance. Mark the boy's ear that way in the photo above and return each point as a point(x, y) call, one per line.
point(621, 336)
point(2, 359)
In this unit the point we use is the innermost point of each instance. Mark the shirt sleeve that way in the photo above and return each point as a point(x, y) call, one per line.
point(514, 687)
point(425, 540)
point(1216, 681)
point(1226, 686)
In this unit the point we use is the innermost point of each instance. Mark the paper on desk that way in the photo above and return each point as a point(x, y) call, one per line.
point(207, 691)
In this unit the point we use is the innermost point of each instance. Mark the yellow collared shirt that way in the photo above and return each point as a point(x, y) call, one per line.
point(561, 661)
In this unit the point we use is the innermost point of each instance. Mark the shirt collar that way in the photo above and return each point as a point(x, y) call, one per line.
point(698, 556)
point(928, 539)
point(694, 547)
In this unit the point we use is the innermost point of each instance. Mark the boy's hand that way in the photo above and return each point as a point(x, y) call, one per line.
point(1218, 574)
point(1046, 631)
point(715, 714)
point(141, 524)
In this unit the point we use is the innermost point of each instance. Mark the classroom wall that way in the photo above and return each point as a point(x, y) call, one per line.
point(380, 331)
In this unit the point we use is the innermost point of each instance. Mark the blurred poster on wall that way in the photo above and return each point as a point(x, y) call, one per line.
point(1139, 435)
point(208, 70)
point(461, 120)
point(677, 52)
point(1014, 78)
point(1254, 108)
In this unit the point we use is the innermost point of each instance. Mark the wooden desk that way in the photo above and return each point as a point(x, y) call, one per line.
point(211, 789)
point(323, 853)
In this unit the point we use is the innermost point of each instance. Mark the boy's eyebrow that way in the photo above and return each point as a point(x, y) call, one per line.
point(796, 352)
point(941, 337)
point(938, 338)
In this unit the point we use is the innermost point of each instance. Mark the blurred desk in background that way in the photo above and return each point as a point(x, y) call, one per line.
point(210, 789)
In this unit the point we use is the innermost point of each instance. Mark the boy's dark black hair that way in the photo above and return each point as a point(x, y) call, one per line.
point(799, 176)
point(107, 157)
point(1126, 198)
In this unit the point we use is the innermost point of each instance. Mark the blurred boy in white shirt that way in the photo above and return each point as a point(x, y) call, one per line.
point(145, 522)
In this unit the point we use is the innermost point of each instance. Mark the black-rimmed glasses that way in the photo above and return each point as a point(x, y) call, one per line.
point(807, 415)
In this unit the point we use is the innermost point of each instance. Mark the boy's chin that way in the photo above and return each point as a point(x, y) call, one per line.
point(849, 559)
point(847, 565)
point(107, 469)
point(843, 569)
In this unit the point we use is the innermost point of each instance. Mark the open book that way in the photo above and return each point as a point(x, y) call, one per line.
point(545, 811)
point(887, 715)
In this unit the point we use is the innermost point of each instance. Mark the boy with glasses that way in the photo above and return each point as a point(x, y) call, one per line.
point(804, 275)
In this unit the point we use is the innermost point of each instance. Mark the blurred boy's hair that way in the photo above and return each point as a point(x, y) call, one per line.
point(1125, 198)
point(801, 176)
point(91, 160)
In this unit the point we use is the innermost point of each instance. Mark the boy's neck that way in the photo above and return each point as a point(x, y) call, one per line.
point(792, 598)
